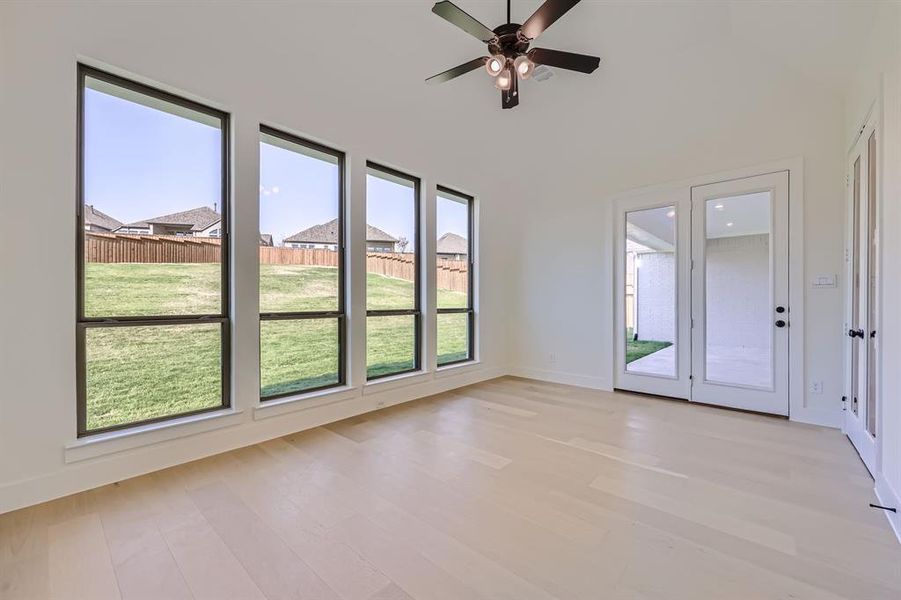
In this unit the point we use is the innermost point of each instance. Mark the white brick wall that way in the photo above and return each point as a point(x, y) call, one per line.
point(656, 297)
point(738, 310)
point(738, 291)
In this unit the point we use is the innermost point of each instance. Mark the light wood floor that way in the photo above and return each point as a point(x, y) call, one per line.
point(508, 489)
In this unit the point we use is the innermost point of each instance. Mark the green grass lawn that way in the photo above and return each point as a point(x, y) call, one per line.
point(142, 373)
point(636, 349)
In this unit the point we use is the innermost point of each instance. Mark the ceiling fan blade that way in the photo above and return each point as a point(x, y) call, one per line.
point(564, 60)
point(458, 70)
point(510, 98)
point(457, 16)
point(545, 16)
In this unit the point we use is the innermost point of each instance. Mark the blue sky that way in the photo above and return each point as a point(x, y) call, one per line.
point(296, 191)
point(141, 162)
point(452, 217)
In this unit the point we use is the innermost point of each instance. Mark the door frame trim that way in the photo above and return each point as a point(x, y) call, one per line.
point(800, 408)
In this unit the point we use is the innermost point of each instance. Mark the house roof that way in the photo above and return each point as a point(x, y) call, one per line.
point(265, 239)
point(451, 243)
point(198, 218)
point(92, 216)
point(327, 233)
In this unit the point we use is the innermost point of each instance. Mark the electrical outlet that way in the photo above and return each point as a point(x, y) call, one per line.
point(816, 387)
point(552, 358)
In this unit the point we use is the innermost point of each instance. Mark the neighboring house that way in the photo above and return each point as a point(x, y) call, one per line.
point(452, 247)
point(94, 220)
point(266, 239)
point(325, 236)
point(197, 222)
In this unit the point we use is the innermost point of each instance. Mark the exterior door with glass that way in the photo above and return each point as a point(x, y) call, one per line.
point(653, 338)
point(740, 313)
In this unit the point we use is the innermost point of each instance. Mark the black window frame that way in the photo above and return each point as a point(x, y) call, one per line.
point(416, 311)
point(341, 313)
point(470, 258)
point(83, 323)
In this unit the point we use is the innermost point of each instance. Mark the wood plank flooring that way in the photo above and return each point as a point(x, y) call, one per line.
point(509, 489)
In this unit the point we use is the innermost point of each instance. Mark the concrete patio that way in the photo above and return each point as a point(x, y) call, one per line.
point(725, 364)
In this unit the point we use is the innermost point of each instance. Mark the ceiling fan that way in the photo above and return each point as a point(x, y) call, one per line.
point(509, 57)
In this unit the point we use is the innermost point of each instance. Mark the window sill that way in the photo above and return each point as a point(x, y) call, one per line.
point(457, 368)
point(273, 408)
point(146, 435)
point(395, 381)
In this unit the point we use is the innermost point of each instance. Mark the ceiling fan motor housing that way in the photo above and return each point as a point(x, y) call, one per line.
point(510, 41)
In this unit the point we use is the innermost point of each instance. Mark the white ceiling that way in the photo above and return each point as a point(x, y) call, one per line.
point(730, 216)
point(653, 228)
point(355, 70)
point(738, 215)
point(657, 57)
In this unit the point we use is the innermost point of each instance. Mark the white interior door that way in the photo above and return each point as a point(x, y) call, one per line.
point(653, 338)
point(739, 297)
point(861, 404)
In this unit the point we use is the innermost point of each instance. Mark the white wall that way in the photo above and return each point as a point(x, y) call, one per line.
point(674, 98)
point(716, 107)
point(262, 63)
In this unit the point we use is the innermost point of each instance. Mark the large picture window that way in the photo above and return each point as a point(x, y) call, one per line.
point(302, 326)
point(152, 235)
point(454, 276)
point(392, 273)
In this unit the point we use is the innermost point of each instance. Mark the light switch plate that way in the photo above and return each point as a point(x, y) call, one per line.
point(824, 281)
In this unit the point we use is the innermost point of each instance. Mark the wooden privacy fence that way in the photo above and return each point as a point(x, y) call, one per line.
point(316, 257)
point(123, 248)
point(119, 248)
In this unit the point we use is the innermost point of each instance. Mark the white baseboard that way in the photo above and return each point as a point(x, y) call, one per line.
point(586, 381)
point(889, 497)
point(824, 417)
point(94, 472)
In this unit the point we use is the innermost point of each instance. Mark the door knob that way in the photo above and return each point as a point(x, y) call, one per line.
point(780, 323)
point(855, 333)
point(780, 309)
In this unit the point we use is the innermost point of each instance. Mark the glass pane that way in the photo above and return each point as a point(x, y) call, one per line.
point(299, 223)
point(152, 194)
point(650, 302)
point(739, 291)
point(298, 355)
point(872, 282)
point(146, 372)
point(855, 290)
point(452, 251)
point(453, 337)
point(390, 345)
point(390, 242)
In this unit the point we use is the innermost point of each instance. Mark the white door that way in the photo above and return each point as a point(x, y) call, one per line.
point(653, 337)
point(740, 308)
point(861, 404)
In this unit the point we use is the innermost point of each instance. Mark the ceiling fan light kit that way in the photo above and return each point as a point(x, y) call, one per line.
point(509, 56)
